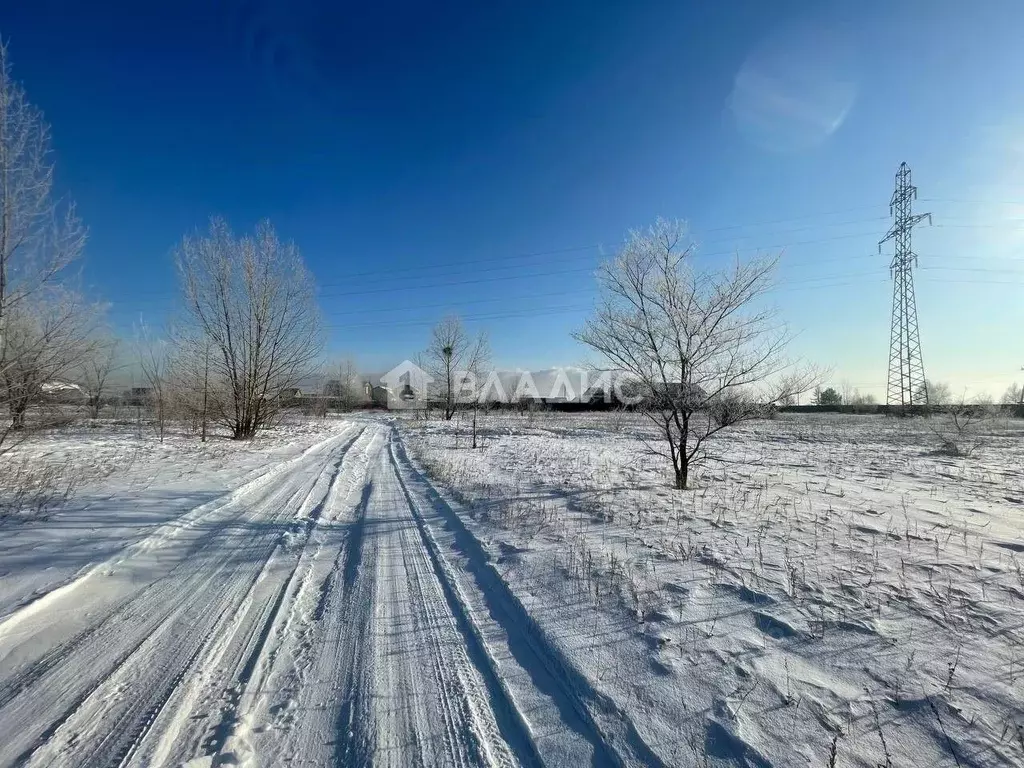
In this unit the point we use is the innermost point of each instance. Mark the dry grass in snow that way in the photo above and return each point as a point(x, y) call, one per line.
point(837, 592)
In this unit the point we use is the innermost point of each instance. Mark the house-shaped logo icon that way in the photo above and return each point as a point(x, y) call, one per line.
point(406, 385)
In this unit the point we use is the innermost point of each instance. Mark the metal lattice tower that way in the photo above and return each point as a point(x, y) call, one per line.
point(907, 386)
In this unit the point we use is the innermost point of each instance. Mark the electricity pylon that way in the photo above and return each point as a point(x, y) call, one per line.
point(906, 386)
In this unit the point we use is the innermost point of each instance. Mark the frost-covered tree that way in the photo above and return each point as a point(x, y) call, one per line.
point(705, 350)
point(252, 298)
point(41, 321)
point(188, 382)
point(342, 385)
point(934, 393)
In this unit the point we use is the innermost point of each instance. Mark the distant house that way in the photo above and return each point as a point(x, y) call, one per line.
point(377, 395)
point(289, 396)
point(64, 393)
point(137, 395)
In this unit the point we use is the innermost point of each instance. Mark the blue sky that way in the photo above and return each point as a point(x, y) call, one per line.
point(479, 157)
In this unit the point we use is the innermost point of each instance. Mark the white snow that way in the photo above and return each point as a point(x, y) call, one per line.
point(373, 590)
point(836, 581)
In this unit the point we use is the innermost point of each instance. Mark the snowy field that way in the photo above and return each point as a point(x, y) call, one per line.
point(834, 593)
point(371, 590)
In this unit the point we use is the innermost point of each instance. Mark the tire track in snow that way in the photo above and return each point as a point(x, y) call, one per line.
point(257, 633)
point(351, 746)
point(161, 534)
point(188, 604)
point(509, 720)
point(610, 732)
point(232, 713)
point(400, 676)
point(386, 676)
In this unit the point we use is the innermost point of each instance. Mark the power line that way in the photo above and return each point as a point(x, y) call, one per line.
point(389, 274)
point(617, 242)
point(397, 274)
point(501, 278)
point(970, 201)
point(978, 269)
point(795, 285)
point(441, 304)
point(386, 275)
point(565, 309)
point(1008, 283)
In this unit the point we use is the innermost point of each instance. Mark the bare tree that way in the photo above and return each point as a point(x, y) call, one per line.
point(705, 353)
point(155, 365)
point(348, 379)
point(847, 391)
point(253, 298)
point(861, 402)
point(1014, 395)
point(38, 240)
point(454, 360)
point(94, 371)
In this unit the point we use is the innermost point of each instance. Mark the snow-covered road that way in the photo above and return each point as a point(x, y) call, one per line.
point(308, 617)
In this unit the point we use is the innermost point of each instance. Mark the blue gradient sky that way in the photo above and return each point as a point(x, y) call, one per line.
point(417, 151)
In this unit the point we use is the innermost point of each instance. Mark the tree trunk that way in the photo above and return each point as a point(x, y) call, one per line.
point(682, 468)
point(206, 387)
point(682, 476)
point(18, 416)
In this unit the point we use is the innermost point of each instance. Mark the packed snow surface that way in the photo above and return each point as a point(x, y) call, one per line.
point(374, 591)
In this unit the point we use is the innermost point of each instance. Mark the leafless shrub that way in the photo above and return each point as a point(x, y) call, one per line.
point(960, 427)
point(154, 362)
point(44, 341)
point(1014, 395)
point(30, 489)
point(188, 383)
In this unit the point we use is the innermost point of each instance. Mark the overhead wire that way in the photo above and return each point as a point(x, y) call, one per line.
point(390, 275)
